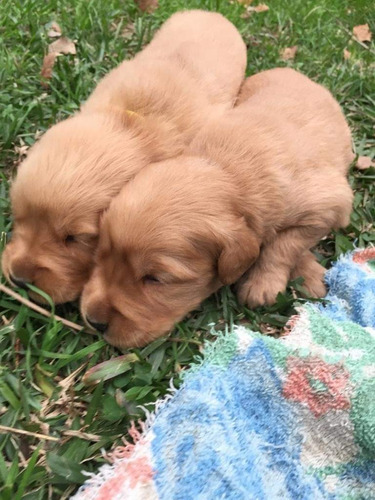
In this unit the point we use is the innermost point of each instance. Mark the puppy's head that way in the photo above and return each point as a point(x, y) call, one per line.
point(172, 237)
point(58, 196)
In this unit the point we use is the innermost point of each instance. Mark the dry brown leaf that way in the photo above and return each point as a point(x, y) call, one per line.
point(262, 7)
point(39, 133)
point(147, 5)
point(346, 54)
point(364, 162)
point(245, 3)
point(362, 33)
point(289, 53)
point(249, 10)
point(54, 31)
point(48, 62)
point(21, 152)
point(62, 46)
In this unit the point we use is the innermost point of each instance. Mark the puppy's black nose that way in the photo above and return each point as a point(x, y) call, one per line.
point(101, 327)
point(20, 282)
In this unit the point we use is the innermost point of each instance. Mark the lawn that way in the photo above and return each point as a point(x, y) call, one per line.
point(42, 362)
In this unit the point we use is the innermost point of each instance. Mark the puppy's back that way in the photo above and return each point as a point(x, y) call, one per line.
point(282, 118)
point(191, 70)
point(207, 46)
point(287, 95)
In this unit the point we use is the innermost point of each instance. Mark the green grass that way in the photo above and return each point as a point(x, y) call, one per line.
point(42, 363)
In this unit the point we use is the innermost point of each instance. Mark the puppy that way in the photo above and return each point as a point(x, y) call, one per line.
point(146, 110)
point(257, 191)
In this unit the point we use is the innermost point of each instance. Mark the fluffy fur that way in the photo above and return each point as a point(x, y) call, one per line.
point(257, 191)
point(146, 110)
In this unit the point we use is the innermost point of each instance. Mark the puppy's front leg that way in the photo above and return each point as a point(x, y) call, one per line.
point(271, 272)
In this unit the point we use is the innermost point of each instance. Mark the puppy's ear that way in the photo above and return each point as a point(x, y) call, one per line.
point(240, 251)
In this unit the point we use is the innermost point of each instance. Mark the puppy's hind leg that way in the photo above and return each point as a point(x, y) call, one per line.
point(313, 274)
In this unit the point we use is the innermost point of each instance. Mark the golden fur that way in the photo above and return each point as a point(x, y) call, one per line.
point(258, 189)
point(146, 110)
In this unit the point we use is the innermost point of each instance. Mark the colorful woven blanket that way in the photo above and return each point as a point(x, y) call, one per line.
point(265, 418)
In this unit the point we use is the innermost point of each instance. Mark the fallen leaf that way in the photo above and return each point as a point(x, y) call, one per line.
point(22, 148)
point(246, 3)
point(128, 31)
point(262, 7)
point(249, 10)
point(39, 133)
point(48, 62)
point(346, 54)
point(21, 152)
point(109, 369)
point(246, 14)
point(362, 33)
point(147, 5)
point(289, 53)
point(62, 46)
point(54, 31)
point(364, 162)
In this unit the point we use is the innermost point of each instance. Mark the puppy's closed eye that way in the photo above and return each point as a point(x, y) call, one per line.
point(70, 238)
point(85, 239)
point(150, 279)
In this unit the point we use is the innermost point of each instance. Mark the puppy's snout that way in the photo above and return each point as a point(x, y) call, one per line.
point(95, 307)
point(21, 269)
point(101, 327)
point(20, 282)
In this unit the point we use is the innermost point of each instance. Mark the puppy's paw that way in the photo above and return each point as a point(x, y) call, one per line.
point(317, 290)
point(261, 291)
point(313, 274)
point(314, 282)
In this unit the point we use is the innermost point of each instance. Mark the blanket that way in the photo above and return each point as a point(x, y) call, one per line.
point(266, 418)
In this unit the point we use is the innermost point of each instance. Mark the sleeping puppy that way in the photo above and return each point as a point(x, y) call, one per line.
point(258, 189)
point(146, 110)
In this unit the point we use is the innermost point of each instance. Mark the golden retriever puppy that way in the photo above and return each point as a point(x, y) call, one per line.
point(148, 109)
point(259, 189)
